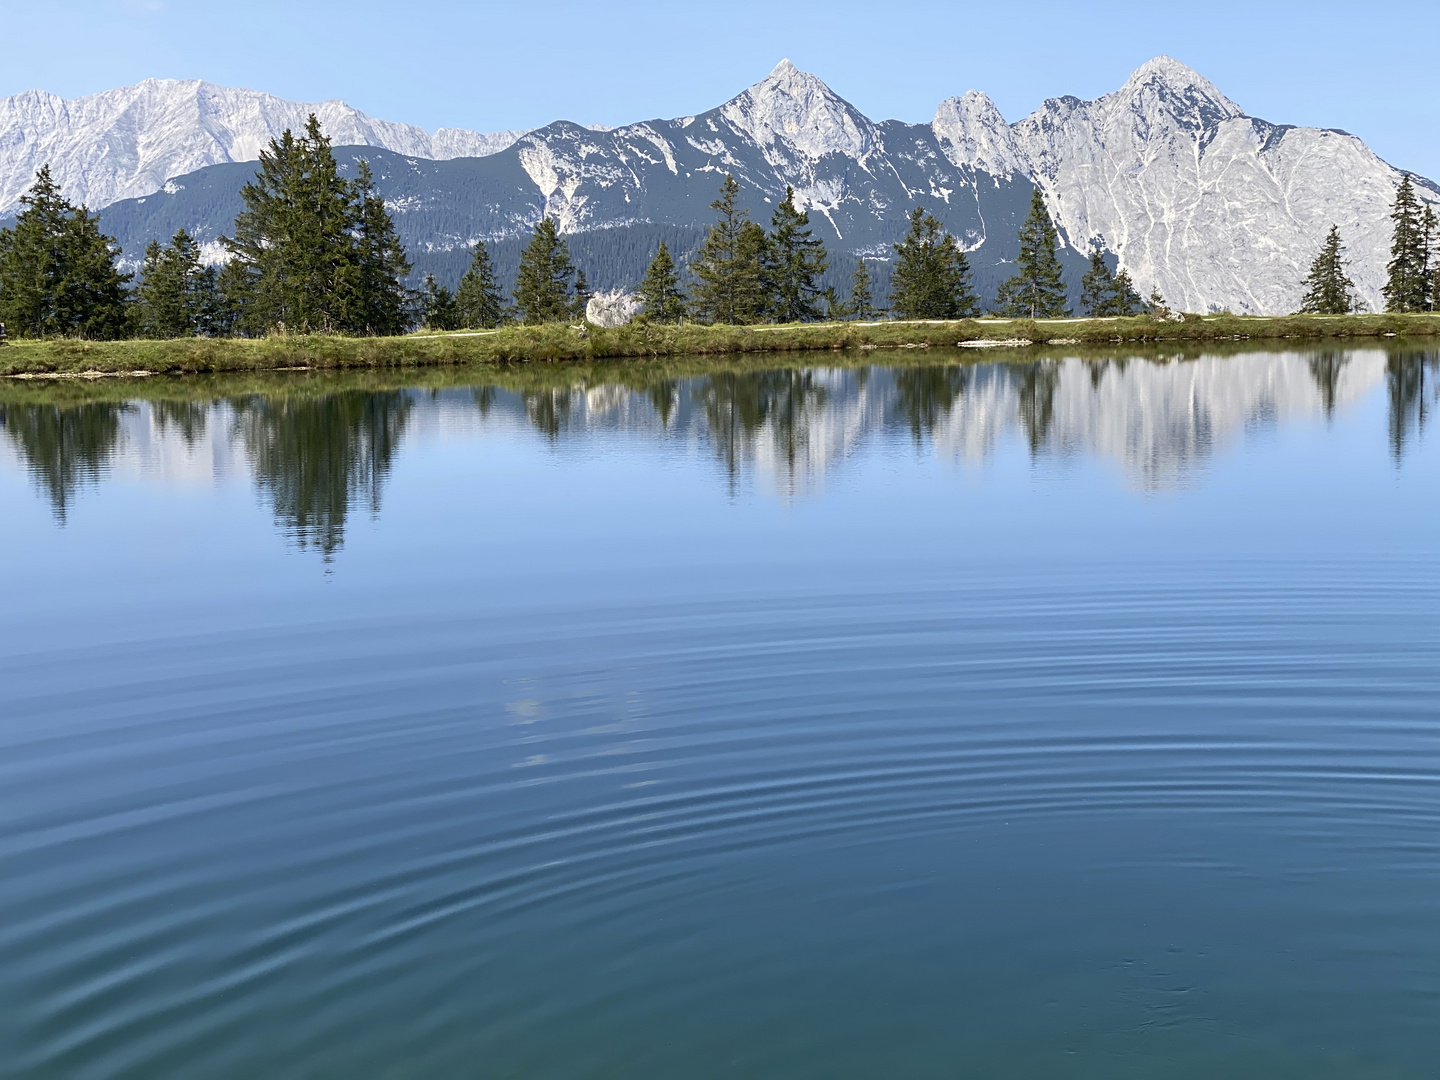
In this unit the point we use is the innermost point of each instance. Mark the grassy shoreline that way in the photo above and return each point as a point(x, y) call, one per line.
point(560, 343)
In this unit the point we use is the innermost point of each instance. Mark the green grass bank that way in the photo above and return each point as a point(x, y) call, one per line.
point(560, 343)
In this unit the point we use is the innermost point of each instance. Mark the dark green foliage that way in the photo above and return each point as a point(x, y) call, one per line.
point(795, 260)
point(1103, 294)
point(1156, 305)
point(1408, 287)
point(1036, 291)
point(295, 238)
point(729, 270)
point(581, 300)
point(1328, 289)
point(1126, 301)
point(57, 271)
point(177, 296)
point(660, 292)
point(481, 305)
point(381, 303)
point(542, 288)
point(932, 275)
point(862, 295)
point(438, 306)
point(318, 253)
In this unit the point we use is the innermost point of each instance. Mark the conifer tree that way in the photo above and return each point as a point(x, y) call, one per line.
point(380, 303)
point(177, 296)
point(660, 292)
point(1097, 287)
point(795, 260)
point(1126, 300)
point(439, 307)
point(1156, 305)
point(1432, 271)
point(295, 238)
point(542, 288)
point(581, 301)
point(481, 305)
point(58, 273)
point(1036, 291)
point(1408, 286)
point(1328, 289)
point(728, 270)
point(932, 275)
point(756, 295)
point(862, 294)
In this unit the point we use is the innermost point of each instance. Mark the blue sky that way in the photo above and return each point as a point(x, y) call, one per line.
point(499, 65)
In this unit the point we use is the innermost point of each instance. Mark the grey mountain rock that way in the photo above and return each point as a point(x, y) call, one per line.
point(128, 142)
point(1214, 208)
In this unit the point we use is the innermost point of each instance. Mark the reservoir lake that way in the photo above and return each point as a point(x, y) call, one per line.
point(947, 716)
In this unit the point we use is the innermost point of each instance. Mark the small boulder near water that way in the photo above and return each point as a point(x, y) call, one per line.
point(612, 309)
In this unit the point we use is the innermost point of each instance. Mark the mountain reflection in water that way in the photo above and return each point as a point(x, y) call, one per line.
point(318, 455)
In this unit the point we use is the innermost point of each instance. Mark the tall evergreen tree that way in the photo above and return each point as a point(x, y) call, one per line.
point(1103, 294)
point(177, 296)
point(1432, 270)
point(1328, 289)
point(580, 303)
point(1097, 287)
point(862, 294)
point(1037, 290)
point(542, 288)
point(660, 292)
point(481, 305)
point(931, 279)
point(439, 310)
point(380, 303)
point(1408, 286)
point(728, 270)
point(1126, 299)
point(296, 237)
point(58, 273)
point(796, 260)
point(757, 297)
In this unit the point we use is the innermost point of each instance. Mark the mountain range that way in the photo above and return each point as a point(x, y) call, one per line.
point(1214, 208)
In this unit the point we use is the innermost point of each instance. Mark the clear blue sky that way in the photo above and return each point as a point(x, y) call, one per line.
point(498, 65)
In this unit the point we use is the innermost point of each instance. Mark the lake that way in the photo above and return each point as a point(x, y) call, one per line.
point(991, 716)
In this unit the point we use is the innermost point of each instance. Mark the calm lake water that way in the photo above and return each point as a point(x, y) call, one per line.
point(1056, 718)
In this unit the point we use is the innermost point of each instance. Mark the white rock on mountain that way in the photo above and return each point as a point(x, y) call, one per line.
point(972, 132)
point(1214, 208)
point(128, 142)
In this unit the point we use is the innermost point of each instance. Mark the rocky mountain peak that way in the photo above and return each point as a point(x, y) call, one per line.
point(974, 135)
point(798, 109)
point(1169, 86)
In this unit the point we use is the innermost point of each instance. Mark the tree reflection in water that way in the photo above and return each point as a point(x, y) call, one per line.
point(314, 457)
point(64, 447)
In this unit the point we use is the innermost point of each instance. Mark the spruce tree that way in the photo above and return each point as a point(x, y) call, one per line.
point(1408, 287)
point(1328, 289)
point(728, 270)
point(480, 303)
point(1156, 305)
point(580, 303)
point(756, 292)
point(660, 292)
point(1126, 300)
point(177, 296)
point(542, 287)
point(1036, 291)
point(380, 303)
point(1097, 287)
point(862, 294)
point(440, 312)
point(58, 273)
point(796, 260)
point(931, 279)
point(295, 237)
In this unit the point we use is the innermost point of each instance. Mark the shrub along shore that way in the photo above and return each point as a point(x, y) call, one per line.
point(561, 342)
